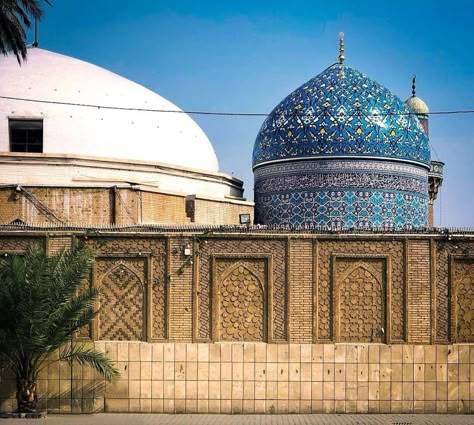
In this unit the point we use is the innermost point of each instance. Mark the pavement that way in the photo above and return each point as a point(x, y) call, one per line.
point(185, 419)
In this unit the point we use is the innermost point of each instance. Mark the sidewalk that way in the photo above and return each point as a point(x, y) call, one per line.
point(182, 419)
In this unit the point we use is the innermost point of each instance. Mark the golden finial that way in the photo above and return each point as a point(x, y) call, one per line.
point(413, 86)
point(341, 48)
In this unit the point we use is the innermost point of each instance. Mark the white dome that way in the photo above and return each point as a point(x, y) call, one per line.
point(170, 138)
point(417, 105)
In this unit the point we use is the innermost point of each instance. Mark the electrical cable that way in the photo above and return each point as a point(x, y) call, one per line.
point(218, 113)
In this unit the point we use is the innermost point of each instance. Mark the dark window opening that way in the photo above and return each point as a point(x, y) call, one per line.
point(26, 136)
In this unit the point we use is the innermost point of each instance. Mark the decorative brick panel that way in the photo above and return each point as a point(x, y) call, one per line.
point(445, 247)
point(240, 299)
point(463, 300)
point(122, 282)
point(391, 249)
point(208, 247)
point(19, 243)
point(360, 300)
point(154, 249)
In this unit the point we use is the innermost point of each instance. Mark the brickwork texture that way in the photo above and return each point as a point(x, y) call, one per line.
point(270, 324)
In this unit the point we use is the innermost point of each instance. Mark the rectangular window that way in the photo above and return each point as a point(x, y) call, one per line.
point(26, 136)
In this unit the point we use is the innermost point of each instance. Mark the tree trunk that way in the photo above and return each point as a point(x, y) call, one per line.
point(26, 395)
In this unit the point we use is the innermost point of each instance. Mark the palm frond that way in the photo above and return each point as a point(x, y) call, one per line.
point(15, 17)
point(93, 358)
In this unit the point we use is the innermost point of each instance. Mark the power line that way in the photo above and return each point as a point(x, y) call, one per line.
point(218, 113)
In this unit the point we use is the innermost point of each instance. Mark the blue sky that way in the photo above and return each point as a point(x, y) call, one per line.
point(246, 56)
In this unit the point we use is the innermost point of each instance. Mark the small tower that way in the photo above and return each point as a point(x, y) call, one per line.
point(435, 175)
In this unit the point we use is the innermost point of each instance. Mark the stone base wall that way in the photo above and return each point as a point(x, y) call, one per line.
point(263, 378)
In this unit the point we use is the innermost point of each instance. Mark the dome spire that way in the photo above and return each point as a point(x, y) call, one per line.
point(413, 86)
point(341, 57)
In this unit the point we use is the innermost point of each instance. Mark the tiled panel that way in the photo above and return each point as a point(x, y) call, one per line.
point(263, 378)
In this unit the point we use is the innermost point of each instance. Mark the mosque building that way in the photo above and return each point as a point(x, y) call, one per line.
point(90, 149)
point(341, 297)
point(342, 151)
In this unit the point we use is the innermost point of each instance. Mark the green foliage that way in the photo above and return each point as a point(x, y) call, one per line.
point(15, 16)
point(43, 302)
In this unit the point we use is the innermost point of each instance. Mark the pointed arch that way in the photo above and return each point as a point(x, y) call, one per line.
point(122, 301)
point(247, 267)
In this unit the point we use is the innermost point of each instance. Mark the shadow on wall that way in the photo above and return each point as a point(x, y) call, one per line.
point(58, 395)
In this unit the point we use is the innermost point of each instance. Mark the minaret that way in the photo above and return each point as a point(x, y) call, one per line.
point(435, 175)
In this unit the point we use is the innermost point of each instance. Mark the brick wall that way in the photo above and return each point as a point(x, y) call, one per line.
point(104, 206)
point(298, 373)
point(212, 212)
point(301, 290)
point(181, 289)
point(419, 291)
point(159, 208)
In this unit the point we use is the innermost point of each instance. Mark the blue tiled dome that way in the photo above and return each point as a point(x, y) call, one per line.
point(342, 151)
point(341, 113)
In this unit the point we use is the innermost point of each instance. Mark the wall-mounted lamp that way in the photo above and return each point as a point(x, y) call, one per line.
point(187, 250)
point(244, 219)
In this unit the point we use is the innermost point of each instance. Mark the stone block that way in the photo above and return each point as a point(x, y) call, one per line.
point(214, 353)
point(283, 391)
point(203, 406)
point(339, 390)
point(214, 390)
point(408, 389)
point(145, 353)
point(180, 389)
point(203, 352)
point(180, 352)
point(272, 390)
point(226, 406)
point(114, 405)
point(214, 371)
point(407, 372)
point(249, 371)
point(134, 369)
point(168, 353)
point(214, 406)
point(203, 371)
point(191, 371)
point(168, 388)
point(294, 371)
point(283, 353)
point(157, 405)
point(249, 353)
point(430, 353)
point(226, 390)
point(317, 353)
point(374, 388)
point(145, 406)
point(157, 353)
point(249, 390)
point(192, 354)
point(157, 391)
point(203, 390)
point(145, 370)
point(191, 390)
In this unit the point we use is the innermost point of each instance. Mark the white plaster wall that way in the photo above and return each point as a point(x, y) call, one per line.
point(171, 138)
point(44, 170)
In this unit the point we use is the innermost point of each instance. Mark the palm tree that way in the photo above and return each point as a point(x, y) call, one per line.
point(15, 16)
point(44, 301)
